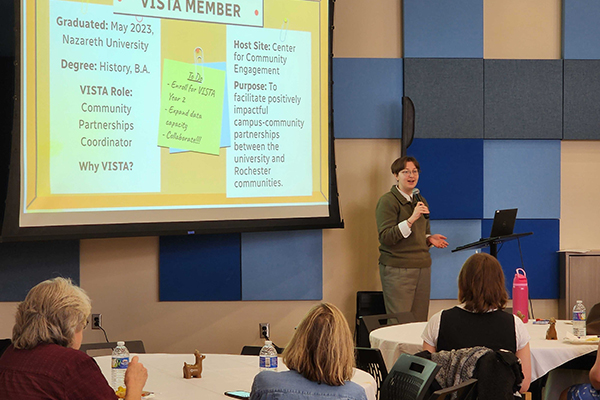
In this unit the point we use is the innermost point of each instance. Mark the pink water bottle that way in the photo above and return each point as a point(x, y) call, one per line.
point(520, 294)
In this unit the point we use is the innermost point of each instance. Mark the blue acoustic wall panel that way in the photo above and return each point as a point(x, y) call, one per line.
point(581, 29)
point(540, 256)
point(523, 99)
point(448, 97)
point(582, 99)
point(24, 265)
point(282, 265)
point(524, 174)
point(367, 98)
point(451, 177)
point(200, 268)
point(443, 29)
point(445, 264)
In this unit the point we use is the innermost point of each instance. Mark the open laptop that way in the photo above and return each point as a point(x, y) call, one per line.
point(503, 225)
point(504, 222)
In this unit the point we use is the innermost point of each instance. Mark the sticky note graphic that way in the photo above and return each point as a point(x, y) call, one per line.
point(225, 132)
point(191, 111)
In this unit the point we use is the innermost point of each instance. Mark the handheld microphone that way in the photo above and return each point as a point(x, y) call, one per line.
point(417, 196)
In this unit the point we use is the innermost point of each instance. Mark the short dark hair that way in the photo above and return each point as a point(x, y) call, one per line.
point(481, 284)
point(401, 162)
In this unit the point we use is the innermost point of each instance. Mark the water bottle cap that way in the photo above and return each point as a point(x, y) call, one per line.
point(268, 343)
point(120, 343)
point(579, 301)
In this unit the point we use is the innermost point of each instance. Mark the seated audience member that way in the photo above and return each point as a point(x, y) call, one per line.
point(480, 319)
point(586, 391)
point(320, 357)
point(44, 361)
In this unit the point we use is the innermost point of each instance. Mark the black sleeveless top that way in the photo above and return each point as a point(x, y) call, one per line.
point(460, 329)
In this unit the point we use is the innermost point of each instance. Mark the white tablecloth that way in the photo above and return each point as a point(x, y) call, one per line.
point(221, 372)
point(545, 354)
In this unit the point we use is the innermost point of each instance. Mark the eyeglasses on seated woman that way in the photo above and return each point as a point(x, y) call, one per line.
point(44, 361)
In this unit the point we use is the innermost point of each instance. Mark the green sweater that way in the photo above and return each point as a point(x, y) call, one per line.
point(396, 250)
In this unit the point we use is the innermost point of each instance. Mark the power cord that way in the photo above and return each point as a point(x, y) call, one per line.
point(279, 349)
point(105, 336)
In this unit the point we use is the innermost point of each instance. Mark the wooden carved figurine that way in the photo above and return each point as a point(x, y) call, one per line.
point(520, 315)
point(195, 370)
point(551, 333)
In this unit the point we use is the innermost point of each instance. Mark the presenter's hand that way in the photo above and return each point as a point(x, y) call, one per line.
point(438, 241)
point(419, 210)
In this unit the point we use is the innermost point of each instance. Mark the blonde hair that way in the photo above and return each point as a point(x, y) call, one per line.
point(51, 313)
point(481, 284)
point(321, 349)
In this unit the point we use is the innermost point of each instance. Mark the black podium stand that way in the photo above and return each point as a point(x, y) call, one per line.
point(491, 242)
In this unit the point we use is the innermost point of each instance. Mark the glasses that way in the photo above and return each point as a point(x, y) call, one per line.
point(414, 172)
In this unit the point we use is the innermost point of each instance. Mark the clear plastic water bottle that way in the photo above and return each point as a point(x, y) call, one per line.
point(267, 358)
point(120, 362)
point(579, 316)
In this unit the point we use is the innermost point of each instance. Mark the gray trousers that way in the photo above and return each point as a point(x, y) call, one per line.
point(406, 289)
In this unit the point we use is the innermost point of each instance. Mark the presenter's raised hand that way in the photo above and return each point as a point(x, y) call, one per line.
point(419, 210)
point(438, 241)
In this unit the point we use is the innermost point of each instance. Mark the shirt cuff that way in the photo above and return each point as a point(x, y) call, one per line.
point(404, 229)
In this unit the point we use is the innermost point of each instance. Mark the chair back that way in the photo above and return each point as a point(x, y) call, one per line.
point(593, 320)
point(134, 346)
point(464, 391)
point(409, 378)
point(371, 361)
point(367, 303)
point(255, 350)
point(4, 343)
point(373, 322)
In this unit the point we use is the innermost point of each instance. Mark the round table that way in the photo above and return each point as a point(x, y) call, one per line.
point(221, 372)
point(545, 354)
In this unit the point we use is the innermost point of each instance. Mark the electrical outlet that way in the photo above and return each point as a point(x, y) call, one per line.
point(265, 330)
point(96, 321)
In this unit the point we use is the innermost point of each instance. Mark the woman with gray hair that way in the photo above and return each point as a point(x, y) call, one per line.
point(44, 361)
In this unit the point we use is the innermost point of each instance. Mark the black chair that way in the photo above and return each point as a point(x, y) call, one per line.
point(367, 303)
point(464, 391)
point(592, 323)
point(373, 322)
point(409, 378)
point(134, 346)
point(371, 361)
point(4, 343)
point(255, 350)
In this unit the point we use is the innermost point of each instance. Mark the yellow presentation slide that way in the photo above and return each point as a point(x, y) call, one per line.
point(162, 110)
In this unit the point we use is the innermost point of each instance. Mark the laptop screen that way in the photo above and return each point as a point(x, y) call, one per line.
point(504, 222)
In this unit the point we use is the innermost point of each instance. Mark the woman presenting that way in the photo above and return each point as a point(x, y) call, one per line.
point(405, 239)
